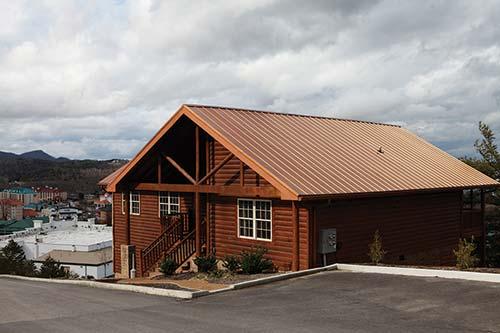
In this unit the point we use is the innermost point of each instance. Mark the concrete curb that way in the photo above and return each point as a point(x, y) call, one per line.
point(422, 272)
point(182, 294)
point(280, 277)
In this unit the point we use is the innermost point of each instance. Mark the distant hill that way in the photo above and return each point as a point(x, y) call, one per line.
point(34, 155)
point(7, 155)
point(38, 168)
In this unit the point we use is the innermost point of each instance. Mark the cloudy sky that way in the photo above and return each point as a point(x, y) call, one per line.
point(96, 79)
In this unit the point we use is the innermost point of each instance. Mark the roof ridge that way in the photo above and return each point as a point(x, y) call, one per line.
point(291, 114)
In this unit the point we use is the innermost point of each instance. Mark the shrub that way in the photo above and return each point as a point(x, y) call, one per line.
point(216, 274)
point(168, 266)
point(13, 261)
point(14, 258)
point(231, 263)
point(465, 254)
point(254, 262)
point(52, 269)
point(3, 264)
point(206, 264)
point(376, 252)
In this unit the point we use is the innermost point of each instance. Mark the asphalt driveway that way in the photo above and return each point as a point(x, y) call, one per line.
point(326, 302)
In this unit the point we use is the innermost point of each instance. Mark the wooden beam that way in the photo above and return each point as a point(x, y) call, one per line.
point(296, 237)
point(242, 173)
point(217, 168)
point(180, 169)
point(233, 190)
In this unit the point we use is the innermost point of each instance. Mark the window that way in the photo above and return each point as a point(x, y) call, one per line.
point(169, 203)
point(123, 203)
point(135, 203)
point(254, 219)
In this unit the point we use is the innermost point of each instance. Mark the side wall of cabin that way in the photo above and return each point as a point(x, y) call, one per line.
point(415, 229)
point(280, 247)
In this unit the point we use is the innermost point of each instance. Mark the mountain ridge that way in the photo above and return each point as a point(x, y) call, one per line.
point(34, 155)
point(37, 168)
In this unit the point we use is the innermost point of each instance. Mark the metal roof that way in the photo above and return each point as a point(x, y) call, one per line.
point(94, 258)
point(313, 156)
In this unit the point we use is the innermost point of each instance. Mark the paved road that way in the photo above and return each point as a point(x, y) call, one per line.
point(326, 302)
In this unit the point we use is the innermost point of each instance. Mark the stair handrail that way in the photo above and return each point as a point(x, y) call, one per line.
point(158, 247)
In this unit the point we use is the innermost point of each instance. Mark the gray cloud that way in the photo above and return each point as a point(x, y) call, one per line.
point(95, 79)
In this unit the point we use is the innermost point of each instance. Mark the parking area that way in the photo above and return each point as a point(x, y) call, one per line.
point(325, 302)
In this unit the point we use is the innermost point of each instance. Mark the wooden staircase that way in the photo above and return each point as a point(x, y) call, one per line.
point(177, 242)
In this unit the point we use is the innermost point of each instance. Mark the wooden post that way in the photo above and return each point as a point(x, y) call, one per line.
point(159, 168)
point(197, 210)
point(207, 207)
point(207, 225)
point(126, 201)
point(197, 219)
point(483, 230)
point(296, 238)
point(461, 231)
point(197, 149)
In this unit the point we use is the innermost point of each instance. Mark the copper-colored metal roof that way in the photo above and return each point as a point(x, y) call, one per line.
point(322, 156)
point(112, 176)
point(310, 156)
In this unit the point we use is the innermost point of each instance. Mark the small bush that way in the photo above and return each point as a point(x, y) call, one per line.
point(216, 274)
point(168, 266)
point(376, 252)
point(231, 263)
point(254, 262)
point(465, 254)
point(52, 269)
point(206, 264)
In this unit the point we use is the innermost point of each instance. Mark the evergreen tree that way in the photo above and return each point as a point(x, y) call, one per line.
point(52, 269)
point(488, 150)
point(14, 258)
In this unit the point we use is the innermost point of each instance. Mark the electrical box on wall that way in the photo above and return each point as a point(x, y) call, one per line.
point(327, 241)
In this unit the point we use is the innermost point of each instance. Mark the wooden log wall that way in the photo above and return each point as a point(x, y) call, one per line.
point(416, 229)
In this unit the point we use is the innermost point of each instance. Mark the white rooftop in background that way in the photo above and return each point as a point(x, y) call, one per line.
point(73, 237)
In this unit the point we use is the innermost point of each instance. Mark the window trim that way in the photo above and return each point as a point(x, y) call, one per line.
point(169, 203)
point(123, 203)
point(254, 219)
point(131, 201)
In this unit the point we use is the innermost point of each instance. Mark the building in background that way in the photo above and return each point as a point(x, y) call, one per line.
point(30, 213)
point(48, 193)
point(11, 227)
point(83, 247)
point(24, 194)
point(11, 209)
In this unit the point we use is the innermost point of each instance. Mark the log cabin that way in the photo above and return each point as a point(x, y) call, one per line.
point(222, 180)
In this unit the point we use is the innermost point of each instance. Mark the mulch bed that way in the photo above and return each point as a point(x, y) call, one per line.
point(163, 286)
point(224, 279)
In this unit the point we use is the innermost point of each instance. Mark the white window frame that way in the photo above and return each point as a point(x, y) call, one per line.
point(123, 203)
point(131, 202)
point(169, 203)
point(254, 219)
